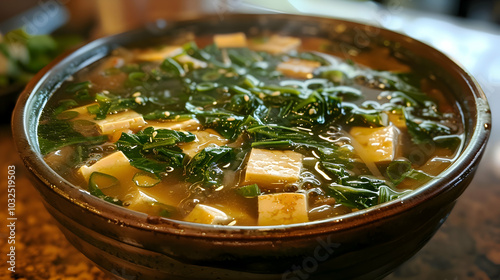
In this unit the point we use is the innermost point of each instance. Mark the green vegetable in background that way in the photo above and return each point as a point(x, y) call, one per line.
point(22, 55)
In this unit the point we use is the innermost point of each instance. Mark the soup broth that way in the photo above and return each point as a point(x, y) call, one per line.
point(267, 130)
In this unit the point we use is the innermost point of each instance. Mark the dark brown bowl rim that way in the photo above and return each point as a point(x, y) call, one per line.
point(125, 217)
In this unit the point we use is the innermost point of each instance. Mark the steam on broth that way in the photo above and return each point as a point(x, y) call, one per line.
point(248, 131)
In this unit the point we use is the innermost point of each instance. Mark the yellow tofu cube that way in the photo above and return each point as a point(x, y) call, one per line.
point(159, 54)
point(377, 144)
point(204, 138)
point(118, 166)
point(398, 120)
point(273, 169)
point(120, 121)
point(231, 40)
point(205, 214)
point(115, 164)
point(187, 125)
point(144, 203)
point(112, 123)
point(298, 68)
point(277, 44)
point(282, 209)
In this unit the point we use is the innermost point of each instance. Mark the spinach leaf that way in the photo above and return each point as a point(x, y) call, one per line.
point(399, 170)
point(154, 150)
point(57, 134)
point(358, 191)
point(388, 194)
point(424, 130)
point(205, 166)
point(353, 197)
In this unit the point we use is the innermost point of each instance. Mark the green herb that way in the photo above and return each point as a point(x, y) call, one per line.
point(205, 166)
point(154, 150)
point(60, 133)
point(172, 67)
point(100, 181)
point(249, 190)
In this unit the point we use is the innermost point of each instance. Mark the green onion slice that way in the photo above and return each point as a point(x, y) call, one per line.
point(146, 179)
point(249, 190)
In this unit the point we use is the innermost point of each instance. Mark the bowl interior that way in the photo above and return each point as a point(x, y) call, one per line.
point(465, 92)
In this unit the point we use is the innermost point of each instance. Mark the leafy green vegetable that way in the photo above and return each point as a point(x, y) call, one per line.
point(387, 194)
point(171, 66)
point(424, 130)
point(60, 133)
point(154, 150)
point(109, 103)
point(353, 197)
point(249, 190)
point(26, 54)
point(205, 168)
point(360, 191)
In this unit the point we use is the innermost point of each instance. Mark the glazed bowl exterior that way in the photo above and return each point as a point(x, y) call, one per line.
point(366, 244)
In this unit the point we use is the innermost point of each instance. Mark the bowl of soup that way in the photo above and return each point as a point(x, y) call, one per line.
point(252, 147)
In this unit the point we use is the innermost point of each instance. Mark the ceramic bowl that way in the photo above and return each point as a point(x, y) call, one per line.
point(366, 244)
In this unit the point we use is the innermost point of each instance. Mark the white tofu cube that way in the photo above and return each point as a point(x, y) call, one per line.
point(120, 121)
point(273, 169)
point(282, 209)
point(277, 44)
point(187, 125)
point(204, 138)
point(378, 144)
point(205, 214)
point(298, 68)
point(159, 54)
point(231, 40)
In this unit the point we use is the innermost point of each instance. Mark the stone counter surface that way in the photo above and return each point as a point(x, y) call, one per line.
point(467, 246)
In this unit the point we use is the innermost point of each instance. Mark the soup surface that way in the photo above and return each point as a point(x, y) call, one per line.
point(232, 130)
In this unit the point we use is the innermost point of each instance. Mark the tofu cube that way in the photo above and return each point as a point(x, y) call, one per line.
point(298, 68)
point(273, 169)
point(398, 120)
point(115, 164)
point(112, 123)
point(205, 214)
point(204, 138)
point(282, 209)
point(142, 202)
point(378, 144)
point(120, 121)
point(277, 44)
point(231, 40)
point(187, 125)
point(159, 54)
point(118, 166)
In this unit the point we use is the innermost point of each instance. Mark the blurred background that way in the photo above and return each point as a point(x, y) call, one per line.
point(468, 244)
